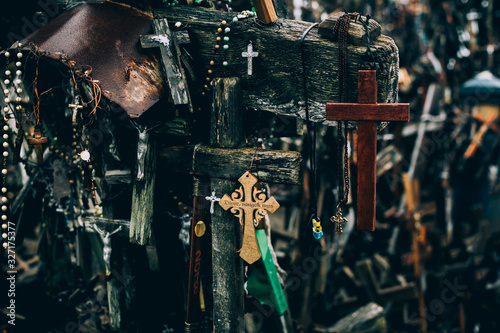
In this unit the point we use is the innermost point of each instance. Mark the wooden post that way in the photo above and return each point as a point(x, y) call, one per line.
point(228, 278)
point(265, 11)
point(143, 199)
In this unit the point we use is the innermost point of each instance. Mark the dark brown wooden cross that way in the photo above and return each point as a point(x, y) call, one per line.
point(38, 142)
point(367, 112)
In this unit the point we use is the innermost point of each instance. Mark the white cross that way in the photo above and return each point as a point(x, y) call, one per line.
point(249, 55)
point(106, 241)
point(75, 108)
point(213, 199)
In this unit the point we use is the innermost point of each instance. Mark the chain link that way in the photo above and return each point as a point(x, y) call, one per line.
point(340, 33)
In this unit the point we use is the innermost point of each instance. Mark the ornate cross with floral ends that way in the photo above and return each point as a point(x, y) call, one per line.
point(249, 203)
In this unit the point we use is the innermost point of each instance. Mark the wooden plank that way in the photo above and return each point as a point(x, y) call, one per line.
point(273, 86)
point(368, 112)
point(271, 166)
point(367, 155)
point(357, 33)
point(265, 11)
point(228, 277)
point(170, 56)
point(226, 126)
point(227, 267)
point(143, 199)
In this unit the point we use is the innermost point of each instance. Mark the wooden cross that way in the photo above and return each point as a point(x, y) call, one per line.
point(367, 112)
point(170, 57)
point(38, 141)
point(251, 203)
point(249, 55)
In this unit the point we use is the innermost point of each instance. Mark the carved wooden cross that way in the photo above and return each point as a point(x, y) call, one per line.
point(38, 141)
point(251, 203)
point(367, 112)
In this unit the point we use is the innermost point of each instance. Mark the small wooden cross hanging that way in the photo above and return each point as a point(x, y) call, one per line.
point(250, 54)
point(251, 203)
point(38, 141)
point(367, 112)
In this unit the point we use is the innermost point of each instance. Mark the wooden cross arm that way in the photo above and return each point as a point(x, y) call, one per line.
point(270, 166)
point(368, 112)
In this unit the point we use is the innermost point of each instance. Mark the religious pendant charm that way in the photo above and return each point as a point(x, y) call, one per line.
point(38, 140)
point(213, 198)
point(338, 220)
point(248, 203)
point(317, 229)
point(250, 54)
point(75, 106)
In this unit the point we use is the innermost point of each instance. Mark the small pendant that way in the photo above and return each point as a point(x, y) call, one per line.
point(338, 220)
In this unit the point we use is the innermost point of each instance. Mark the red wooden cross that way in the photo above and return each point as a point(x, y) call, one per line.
point(367, 112)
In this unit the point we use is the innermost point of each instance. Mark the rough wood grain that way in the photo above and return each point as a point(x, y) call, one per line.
point(228, 277)
point(274, 85)
point(265, 11)
point(143, 198)
point(367, 155)
point(226, 115)
point(227, 267)
point(270, 166)
point(357, 33)
point(170, 56)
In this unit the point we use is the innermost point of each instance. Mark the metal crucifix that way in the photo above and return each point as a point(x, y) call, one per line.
point(251, 203)
point(367, 112)
point(250, 54)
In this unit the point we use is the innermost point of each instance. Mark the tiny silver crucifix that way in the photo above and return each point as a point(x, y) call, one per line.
point(213, 199)
point(250, 55)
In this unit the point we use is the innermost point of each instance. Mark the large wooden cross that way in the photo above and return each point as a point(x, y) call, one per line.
point(170, 57)
point(247, 203)
point(367, 112)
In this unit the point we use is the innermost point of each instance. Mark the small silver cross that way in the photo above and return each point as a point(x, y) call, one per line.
point(213, 199)
point(75, 108)
point(250, 55)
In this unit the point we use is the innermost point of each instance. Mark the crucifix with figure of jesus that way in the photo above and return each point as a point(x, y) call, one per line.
point(367, 112)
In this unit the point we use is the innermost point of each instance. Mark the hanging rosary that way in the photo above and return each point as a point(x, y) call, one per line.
point(340, 33)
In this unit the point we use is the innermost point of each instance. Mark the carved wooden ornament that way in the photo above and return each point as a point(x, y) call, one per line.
point(249, 203)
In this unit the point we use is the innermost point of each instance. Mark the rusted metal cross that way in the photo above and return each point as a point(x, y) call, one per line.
point(251, 203)
point(367, 112)
point(38, 141)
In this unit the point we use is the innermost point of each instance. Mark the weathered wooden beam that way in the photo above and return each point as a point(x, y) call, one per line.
point(275, 85)
point(270, 166)
point(226, 126)
point(227, 267)
point(170, 57)
point(143, 199)
point(357, 32)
